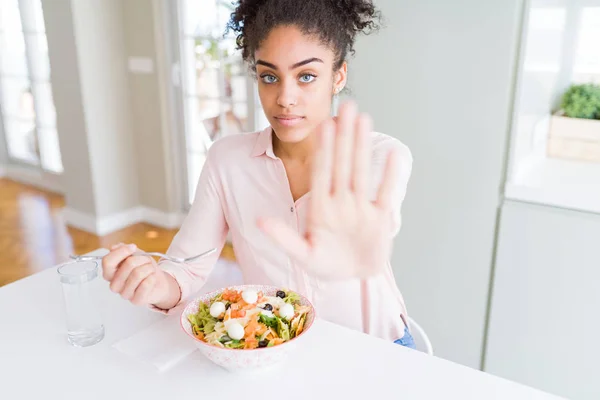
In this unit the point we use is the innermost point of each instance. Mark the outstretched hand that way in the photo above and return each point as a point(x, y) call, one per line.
point(348, 234)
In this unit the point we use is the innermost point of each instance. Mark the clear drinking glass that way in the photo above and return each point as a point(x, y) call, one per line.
point(80, 288)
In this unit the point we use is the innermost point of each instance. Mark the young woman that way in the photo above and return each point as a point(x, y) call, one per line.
point(312, 202)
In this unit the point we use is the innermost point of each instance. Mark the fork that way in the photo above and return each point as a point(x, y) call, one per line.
point(179, 260)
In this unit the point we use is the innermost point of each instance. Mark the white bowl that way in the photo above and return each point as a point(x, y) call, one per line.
point(245, 359)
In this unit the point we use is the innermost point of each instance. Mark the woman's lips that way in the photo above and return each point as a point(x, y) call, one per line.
point(289, 120)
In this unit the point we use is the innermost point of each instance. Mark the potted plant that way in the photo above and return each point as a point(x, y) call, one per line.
point(575, 128)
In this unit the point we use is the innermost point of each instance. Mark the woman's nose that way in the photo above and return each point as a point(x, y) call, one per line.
point(288, 95)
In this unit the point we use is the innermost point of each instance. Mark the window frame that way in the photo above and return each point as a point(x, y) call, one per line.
point(33, 170)
point(178, 64)
point(578, 184)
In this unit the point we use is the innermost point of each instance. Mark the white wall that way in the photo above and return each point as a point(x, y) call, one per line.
point(112, 123)
point(100, 38)
point(544, 325)
point(144, 37)
point(70, 117)
point(439, 77)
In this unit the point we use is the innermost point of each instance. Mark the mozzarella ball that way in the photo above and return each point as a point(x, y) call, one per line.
point(216, 309)
point(286, 311)
point(250, 296)
point(235, 330)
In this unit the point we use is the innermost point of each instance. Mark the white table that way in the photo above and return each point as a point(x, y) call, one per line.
point(36, 361)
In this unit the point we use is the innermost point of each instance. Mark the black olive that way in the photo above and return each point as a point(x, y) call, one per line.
point(263, 343)
point(280, 293)
point(227, 305)
point(268, 307)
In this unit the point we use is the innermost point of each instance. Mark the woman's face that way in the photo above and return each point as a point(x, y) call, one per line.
point(296, 82)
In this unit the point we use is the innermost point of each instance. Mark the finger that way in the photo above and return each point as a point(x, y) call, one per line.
point(123, 271)
point(344, 139)
point(287, 238)
point(322, 166)
point(362, 153)
point(389, 181)
point(135, 278)
point(111, 261)
point(143, 291)
point(116, 246)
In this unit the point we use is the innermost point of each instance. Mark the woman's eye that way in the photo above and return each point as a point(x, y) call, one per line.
point(268, 78)
point(307, 78)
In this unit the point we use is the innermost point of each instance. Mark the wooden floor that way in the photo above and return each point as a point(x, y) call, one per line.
point(34, 236)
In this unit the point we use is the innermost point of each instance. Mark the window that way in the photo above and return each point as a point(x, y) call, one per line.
point(587, 57)
point(219, 98)
point(27, 107)
point(555, 160)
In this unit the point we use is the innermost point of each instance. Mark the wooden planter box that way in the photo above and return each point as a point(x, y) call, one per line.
point(574, 138)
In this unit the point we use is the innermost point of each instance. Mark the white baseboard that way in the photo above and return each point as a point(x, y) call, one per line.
point(80, 220)
point(104, 225)
point(118, 221)
point(160, 218)
point(27, 176)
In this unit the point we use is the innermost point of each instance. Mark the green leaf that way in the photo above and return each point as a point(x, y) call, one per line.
point(283, 329)
point(234, 344)
point(291, 297)
point(582, 101)
point(271, 322)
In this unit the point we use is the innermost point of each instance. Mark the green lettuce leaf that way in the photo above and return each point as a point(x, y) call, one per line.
point(283, 329)
point(271, 322)
point(234, 344)
point(291, 297)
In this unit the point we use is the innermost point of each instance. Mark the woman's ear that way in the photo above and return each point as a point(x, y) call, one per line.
point(340, 78)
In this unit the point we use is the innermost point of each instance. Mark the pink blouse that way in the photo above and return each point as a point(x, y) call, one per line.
point(242, 180)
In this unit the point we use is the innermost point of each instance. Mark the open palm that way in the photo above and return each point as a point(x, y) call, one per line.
point(347, 232)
